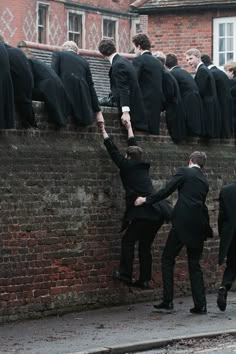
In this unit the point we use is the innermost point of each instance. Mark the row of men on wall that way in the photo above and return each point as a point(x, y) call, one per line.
point(146, 211)
point(141, 89)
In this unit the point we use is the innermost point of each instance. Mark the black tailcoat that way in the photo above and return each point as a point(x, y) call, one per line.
point(191, 101)
point(6, 91)
point(136, 182)
point(126, 91)
point(226, 219)
point(76, 76)
point(207, 89)
point(150, 75)
point(225, 101)
point(22, 80)
point(190, 217)
point(174, 108)
point(50, 87)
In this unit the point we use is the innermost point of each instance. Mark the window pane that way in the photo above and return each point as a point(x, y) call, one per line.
point(230, 45)
point(221, 59)
point(221, 44)
point(230, 29)
point(230, 56)
point(222, 30)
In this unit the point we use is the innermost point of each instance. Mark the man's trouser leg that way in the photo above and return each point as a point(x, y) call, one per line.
point(230, 270)
point(147, 233)
point(172, 249)
point(196, 276)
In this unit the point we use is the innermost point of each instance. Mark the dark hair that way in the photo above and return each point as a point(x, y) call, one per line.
point(142, 40)
point(199, 158)
point(134, 152)
point(171, 60)
point(107, 47)
point(206, 59)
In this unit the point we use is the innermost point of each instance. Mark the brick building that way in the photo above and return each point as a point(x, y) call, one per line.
point(177, 25)
point(55, 21)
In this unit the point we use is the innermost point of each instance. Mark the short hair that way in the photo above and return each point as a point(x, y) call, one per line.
point(107, 47)
point(70, 45)
point(194, 51)
point(161, 56)
point(142, 40)
point(171, 60)
point(230, 66)
point(199, 158)
point(134, 152)
point(206, 59)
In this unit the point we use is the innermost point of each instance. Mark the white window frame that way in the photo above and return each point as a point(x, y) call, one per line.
point(78, 13)
point(113, 19)
point(216, 51)
point(47, 5)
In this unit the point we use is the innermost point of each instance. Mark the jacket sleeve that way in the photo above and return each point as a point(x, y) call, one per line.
point(55, 64)
point(170, 187)
point(132, 142)
point(114, 152)
point(122, 84)
point(221, 215)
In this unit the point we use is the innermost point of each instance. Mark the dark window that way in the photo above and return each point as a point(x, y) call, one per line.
point(42, 23)
point(109, 29)
point(75, 29)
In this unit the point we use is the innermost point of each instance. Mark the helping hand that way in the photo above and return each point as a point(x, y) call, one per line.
point(139, 201)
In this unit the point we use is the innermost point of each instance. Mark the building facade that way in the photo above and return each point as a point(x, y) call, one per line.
point(84, 21)
point(177, 25)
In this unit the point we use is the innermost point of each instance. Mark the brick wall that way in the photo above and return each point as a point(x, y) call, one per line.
point(177, 32)
point(61, 206)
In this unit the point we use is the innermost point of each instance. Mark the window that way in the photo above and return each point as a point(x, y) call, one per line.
point(75, 28)
point(109, 29)
point(42, 23)
point(224, 40)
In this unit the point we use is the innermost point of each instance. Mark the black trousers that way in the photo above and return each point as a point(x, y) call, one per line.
point(143, 231)
point(230, 270)
point(172, 249)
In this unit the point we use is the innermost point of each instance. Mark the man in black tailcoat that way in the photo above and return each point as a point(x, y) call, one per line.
point(172, 103)
point(139, 224)
point(76, 76)
point(190, 96)
point(22, 81)
point(190, 227)
point(150, 75)
point(224, 97)
point(49, 88)
point(7, 120)
point(207, 89)
point(227, 234)
point(124, 86)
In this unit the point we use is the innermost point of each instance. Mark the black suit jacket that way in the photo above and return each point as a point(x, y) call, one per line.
point(126, 91)
point(174, 108)
point(225, 101)
point(49, 88)
point(150, 75)
point(207, 89)
point(136, 181)
point(76, 76)
point(191, 101)
point(190, 216)
point(226, 219)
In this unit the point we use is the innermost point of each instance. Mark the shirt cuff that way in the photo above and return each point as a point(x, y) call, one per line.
point(125, 109)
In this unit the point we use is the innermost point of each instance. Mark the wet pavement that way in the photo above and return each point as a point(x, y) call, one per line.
point(122, 329)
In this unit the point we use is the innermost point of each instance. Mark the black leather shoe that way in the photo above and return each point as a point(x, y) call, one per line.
point(222, 298)
point(199, 310)
point(164, 305)
point(144, 285)
point(124, 279)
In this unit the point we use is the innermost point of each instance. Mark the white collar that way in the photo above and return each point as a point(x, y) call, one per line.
point(145, 51)
point(211, 66)
point(173, 67)
point(199, 65)
point(194, 165)
point(111, 57)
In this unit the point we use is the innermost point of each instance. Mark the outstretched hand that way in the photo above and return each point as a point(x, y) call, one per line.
point(139, 201)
